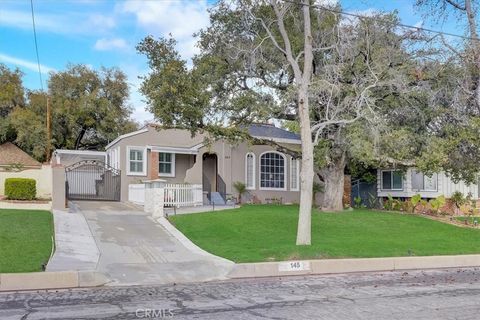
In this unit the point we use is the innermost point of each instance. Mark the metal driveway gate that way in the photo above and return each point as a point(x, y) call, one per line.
point(92, 180)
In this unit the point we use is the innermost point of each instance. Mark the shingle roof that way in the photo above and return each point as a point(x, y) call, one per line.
point(270, 131)
point(11, 154)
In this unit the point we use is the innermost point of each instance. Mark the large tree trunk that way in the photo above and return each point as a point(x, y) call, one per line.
point(306, 173)
point(333, 177)
point(304, 229)
point(303, 81)
point(472, 26)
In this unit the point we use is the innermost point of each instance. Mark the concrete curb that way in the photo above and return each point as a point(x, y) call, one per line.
point(26, 206)
point(51, 280)
point(333, 266)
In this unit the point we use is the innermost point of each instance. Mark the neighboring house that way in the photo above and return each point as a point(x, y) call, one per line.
point(405, 184)
point(178, 157)
point(16, 163)
point(14, 158)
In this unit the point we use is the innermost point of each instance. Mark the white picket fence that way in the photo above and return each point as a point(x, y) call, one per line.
point(183, 195)
point(176, 194)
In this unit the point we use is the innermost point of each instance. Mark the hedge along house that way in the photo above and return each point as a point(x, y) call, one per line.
point(16, 163)
point(407, 183)
point(177, 157)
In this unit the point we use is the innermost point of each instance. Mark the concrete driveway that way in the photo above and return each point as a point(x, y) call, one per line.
point(135, 249)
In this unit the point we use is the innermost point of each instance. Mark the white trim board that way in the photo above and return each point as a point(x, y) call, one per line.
point(83, 152)
point(123, 136)
point(179, 150)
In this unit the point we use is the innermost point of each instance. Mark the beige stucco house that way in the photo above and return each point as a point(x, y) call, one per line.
point(176, 156)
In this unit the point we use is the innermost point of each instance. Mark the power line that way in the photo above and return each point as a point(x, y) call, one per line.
point(36, 45)
point(372, 18)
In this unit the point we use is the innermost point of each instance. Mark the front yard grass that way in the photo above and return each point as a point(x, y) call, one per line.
point(255, 233)
point(25, 239)
point(470, 220)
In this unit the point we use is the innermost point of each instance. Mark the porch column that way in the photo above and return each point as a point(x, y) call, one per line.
point(154, 197)
point(59, 197)
point(153, 170)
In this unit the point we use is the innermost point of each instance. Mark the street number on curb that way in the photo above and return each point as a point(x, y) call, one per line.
point(293, 266)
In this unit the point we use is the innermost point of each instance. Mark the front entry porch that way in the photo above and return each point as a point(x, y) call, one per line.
point(214, 188)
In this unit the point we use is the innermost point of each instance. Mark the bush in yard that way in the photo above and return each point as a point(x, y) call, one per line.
point(241, 189)
point(437, 203)
point(20, 188)
point(392, 204)
point(458, 199)
point(415, 201)
point(357, 202)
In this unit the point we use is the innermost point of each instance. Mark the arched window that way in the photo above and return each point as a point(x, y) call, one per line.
point(272, 171)
point(250, 171)
point(294, 174)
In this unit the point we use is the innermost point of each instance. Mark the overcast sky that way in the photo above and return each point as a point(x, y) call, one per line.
point(96, 33)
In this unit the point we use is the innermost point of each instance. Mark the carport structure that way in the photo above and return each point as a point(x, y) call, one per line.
point(87, 176)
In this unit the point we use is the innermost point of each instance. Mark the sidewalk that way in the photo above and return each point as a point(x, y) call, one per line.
point(75, 246)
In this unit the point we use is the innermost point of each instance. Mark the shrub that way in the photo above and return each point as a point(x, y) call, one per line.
point(415, 200)
point(408, 206)
point(392, 204)
point(357, 202)
point(458, 199)
point(437, 203)
point(241, 189)
point(372, 200)
point(20, 189)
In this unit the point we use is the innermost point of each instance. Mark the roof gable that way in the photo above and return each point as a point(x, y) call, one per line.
point(11, 154)
point(260, 130)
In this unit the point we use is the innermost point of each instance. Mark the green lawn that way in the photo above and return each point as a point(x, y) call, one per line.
point(25, 239)
point(470, 220)
point(267, 233)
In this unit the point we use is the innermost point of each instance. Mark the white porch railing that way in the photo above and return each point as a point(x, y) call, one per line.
point(183, 195)
point(176, 194)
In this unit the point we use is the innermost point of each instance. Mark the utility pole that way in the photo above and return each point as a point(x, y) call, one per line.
point(49, 130)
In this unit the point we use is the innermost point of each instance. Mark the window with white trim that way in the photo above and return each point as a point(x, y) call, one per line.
point(166, 164)
point(294, 174)
point(392, 180)
point(272, 171)
point(136, 161)
point(422, 182)
point(250, 171)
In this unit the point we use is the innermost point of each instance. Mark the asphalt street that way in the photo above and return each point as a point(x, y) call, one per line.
point(433, 294)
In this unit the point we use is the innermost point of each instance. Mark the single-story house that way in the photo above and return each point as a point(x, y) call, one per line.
point(178, 157)
point(16, 163)
point(407, 183)
point(12, 158)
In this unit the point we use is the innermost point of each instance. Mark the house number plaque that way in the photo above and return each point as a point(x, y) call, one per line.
point(293, 266)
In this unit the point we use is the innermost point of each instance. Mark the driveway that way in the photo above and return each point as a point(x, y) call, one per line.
point(135, 249)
